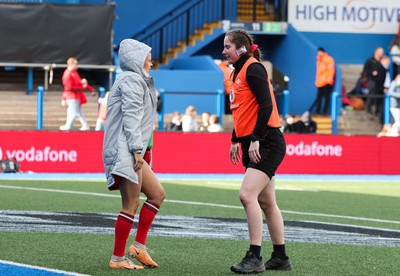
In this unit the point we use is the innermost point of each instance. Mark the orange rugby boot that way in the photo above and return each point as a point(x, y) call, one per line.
point(141, 253)
point(124, 264)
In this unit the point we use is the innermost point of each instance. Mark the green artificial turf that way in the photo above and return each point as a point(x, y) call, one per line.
point(361, 203)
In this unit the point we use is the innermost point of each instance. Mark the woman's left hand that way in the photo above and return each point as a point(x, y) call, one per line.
point(138, 162)
point(254, 152)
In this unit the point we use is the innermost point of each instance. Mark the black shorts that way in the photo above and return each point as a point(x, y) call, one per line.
point(272, 151)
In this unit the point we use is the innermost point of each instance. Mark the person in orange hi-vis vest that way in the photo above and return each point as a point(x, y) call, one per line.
point(256, 129)
point(324, 80)
point(224, 66)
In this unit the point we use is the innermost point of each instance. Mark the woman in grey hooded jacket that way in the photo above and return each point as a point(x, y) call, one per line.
point(131, 112)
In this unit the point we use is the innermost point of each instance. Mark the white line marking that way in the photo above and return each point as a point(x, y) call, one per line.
point(341, 217)
point(57, 191)
point(43, 268)
point(237, 185)
point(224, 184)
point(200, 203)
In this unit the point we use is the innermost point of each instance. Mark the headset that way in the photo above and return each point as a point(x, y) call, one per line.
point(241, 51)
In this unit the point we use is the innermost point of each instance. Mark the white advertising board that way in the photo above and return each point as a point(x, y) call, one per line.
point(345, 16)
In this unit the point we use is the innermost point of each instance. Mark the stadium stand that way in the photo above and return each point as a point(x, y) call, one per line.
point(203, 37)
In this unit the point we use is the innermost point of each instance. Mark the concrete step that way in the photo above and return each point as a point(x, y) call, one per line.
point(350, 74)
point(18, 110)
point(354, 122)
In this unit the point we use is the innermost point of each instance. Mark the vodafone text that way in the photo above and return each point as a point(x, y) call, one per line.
point(313, 149)
point(40, 155)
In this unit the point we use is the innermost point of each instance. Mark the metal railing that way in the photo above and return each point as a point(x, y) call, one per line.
point(284, 104)
point(48, 71)
point(220, 103)
point(39, 105)
point(179, 25)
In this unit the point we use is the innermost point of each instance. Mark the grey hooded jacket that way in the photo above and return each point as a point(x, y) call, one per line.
point(394, 91)
point(131, 112)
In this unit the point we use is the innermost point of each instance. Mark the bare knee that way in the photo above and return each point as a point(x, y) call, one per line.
point(245, 198)
point(157, 197)
point(268, 207)
point(264, 205)
point(130, 206)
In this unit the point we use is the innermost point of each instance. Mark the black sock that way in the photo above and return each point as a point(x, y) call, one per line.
point(279, 251)
point(256, 250)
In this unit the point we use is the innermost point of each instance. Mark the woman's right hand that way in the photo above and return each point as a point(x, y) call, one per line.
point(234, 153)
point(138, 162)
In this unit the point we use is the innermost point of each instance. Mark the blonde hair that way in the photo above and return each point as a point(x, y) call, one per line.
point(71, 60)
point(189, 110)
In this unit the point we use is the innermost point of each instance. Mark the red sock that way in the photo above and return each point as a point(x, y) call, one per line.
point(146, 217)
point(123, 227)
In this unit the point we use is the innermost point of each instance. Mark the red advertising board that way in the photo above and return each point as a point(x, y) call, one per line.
point(174, 152)
point(53, 151)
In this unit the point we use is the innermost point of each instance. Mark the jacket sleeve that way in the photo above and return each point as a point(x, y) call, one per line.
point(67, 82)
point(133, 90)
point(89, 88)
point(392, 90)
point(330, 66)
point(234, 138)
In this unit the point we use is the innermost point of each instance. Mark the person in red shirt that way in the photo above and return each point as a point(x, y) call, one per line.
point(257, 130)
point(73, 95)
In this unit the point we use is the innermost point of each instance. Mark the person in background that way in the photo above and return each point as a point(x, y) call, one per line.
point(394, 92)
point(324, 80)
point(382, 85)
point(131, 113)
point(214, 125)
point(189, 123)
point(102, 113)
point(371, 69)
point(347, 104)
point(385, 61)
point(289, 119)
point(73, 95)
point(224, 66)
point(257, 129)
point(394, 49)
point(305, 125)
point(205, 120)
point(361, 86)
point(176, 122)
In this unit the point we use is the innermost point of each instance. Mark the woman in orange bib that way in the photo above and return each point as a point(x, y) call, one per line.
point(256, 129)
